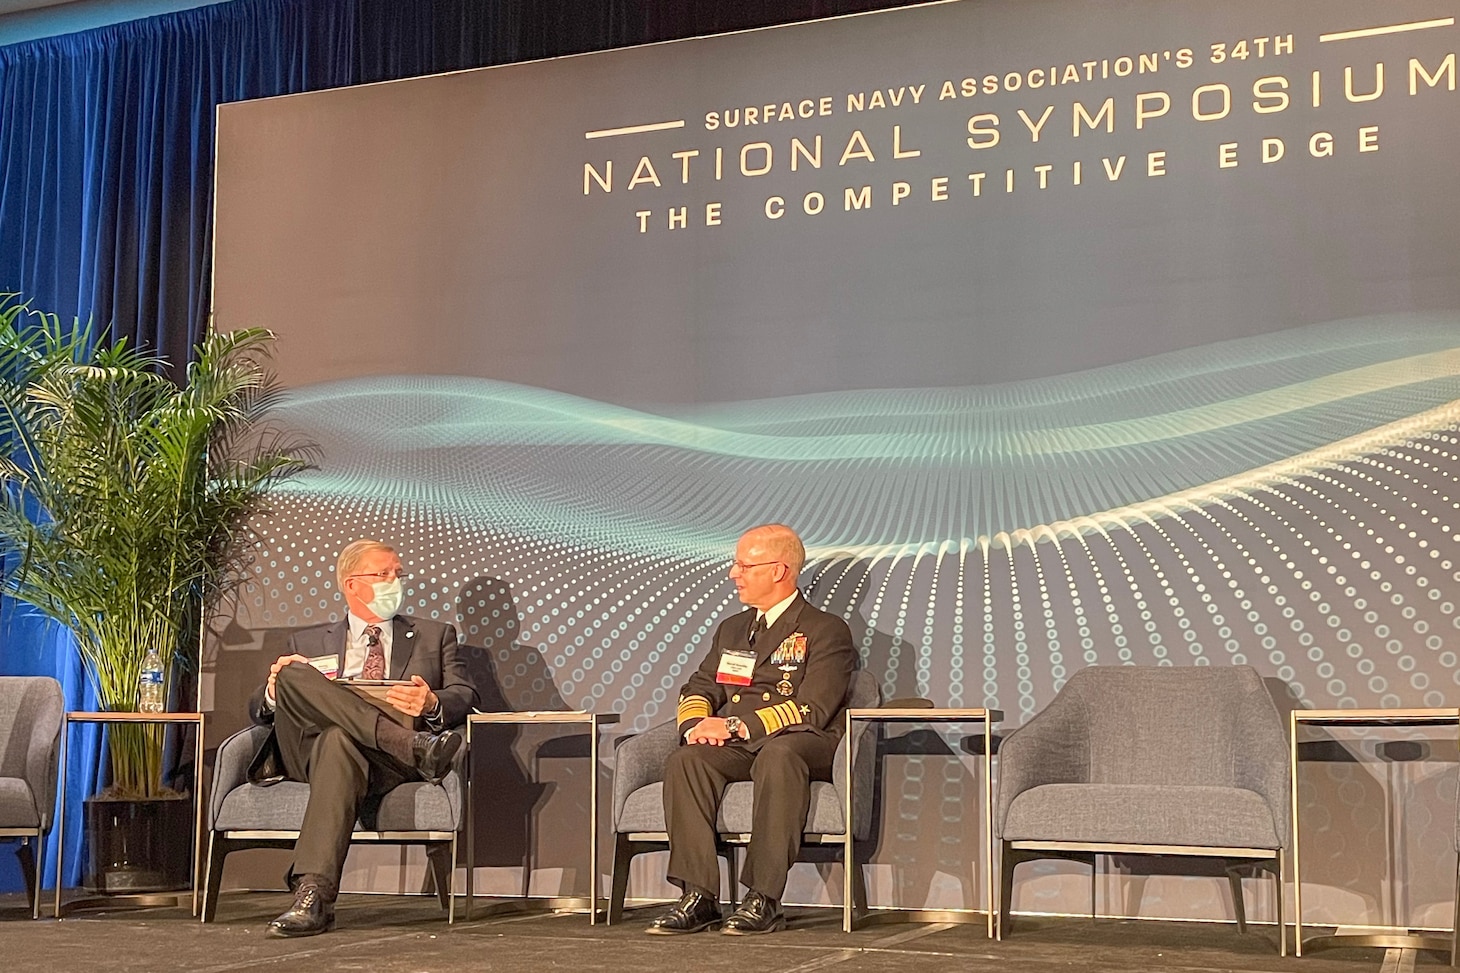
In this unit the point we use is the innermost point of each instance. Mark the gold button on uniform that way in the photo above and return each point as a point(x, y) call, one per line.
point(735, 698)
point(765, 696)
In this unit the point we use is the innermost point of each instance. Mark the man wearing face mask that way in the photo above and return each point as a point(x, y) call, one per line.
point(346, 748)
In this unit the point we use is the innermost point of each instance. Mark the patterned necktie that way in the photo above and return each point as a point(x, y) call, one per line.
point(374, 654)
point(757, 628)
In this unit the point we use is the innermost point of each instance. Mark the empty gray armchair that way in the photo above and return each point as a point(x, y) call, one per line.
point(31, 709)
point(638, 803)
point(244, 815)
point(1149, 760)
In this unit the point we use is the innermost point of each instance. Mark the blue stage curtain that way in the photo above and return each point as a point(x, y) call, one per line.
point(106, 173)
point(106, 199)
point(405, 38)
point(106, 148)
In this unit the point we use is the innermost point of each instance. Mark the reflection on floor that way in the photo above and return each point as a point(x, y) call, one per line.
point(398, 934)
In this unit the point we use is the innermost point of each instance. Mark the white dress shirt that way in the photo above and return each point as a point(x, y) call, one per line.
point(357, 647)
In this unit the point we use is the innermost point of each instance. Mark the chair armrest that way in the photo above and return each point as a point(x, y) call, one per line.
point(454, 783)
point(864, 773)
point(1052, 748)
point(1262, 756)
point(45, 711)
point(639, 761)
point(230, 766)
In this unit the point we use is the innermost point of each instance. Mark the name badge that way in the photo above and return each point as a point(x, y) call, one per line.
point(327, 664)
point(737, 666)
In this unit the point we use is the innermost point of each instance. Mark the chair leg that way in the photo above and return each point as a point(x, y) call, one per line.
point(441, 857)
point(40, 854)
point(623, 854)
point(1280, 875)
point(451, 883)
point(1006, 890)
point(732, 866)
point(1239, 907)
point(859, 885)
point(30, 868)
point(527, 856)
point(217, 853)
point(1455, 921)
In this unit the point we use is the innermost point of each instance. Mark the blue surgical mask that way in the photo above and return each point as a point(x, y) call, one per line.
point(388, 596)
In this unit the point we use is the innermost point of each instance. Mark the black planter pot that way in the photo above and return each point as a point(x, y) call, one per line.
point(139, 845)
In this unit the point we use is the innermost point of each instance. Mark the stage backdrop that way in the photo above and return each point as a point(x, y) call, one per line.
point(1066, 334)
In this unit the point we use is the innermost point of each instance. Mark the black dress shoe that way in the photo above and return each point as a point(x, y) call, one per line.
point(311, 914)
point(433, 753)
point(757, 914)
point(695, 911)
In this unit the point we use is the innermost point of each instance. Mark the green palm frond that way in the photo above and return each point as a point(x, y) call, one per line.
point(127, 498)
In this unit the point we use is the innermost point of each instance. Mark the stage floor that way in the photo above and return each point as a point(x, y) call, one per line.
point(385, 934)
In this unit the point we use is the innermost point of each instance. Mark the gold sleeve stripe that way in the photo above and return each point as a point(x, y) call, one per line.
point(779, 716)
point(693, 708)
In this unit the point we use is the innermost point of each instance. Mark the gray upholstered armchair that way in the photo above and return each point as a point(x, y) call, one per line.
point(638, 805)
point(31, 709)
point(1149, 760)
point(243, 815)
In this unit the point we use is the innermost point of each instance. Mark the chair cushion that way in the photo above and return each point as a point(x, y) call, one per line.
point(1172, 814)
point(279, 807)
point(644, 809)
point(416, 806)
point(17, 806)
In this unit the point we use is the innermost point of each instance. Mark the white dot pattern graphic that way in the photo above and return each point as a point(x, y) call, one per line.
point(979, 545)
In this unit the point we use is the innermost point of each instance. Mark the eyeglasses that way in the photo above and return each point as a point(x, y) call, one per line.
point(383, 575)
point(743, 567)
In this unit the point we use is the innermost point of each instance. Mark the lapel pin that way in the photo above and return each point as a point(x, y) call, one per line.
point(411, 634)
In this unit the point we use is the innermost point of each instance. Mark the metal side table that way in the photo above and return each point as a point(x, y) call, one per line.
point(140, 898)
point(593, 724)
point(1355, 717)
point(986, 717)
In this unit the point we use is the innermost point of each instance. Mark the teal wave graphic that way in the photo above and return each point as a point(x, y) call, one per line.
point(869, 468)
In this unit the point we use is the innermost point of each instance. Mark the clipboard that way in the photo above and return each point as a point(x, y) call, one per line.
point(373, 692)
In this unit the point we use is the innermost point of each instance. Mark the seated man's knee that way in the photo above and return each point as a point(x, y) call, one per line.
point(292, 677)
point(684, 760)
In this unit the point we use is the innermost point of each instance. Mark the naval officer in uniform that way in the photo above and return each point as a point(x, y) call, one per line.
point(765, 706)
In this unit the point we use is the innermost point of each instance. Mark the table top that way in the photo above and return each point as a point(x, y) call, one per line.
point(79, 716)
point(1398, 716)
point(933, 714)
point(545, 716)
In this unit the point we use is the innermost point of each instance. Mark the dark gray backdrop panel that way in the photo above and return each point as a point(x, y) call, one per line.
point(1164, 411)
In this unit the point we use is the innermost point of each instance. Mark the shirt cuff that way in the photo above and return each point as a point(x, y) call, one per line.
point(436, 718)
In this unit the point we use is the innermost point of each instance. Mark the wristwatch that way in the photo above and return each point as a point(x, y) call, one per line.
point(733, 724)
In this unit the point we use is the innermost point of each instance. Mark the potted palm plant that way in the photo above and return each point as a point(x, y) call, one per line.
point(125, 512)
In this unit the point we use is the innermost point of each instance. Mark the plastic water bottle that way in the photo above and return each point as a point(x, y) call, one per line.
point(151, 688)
